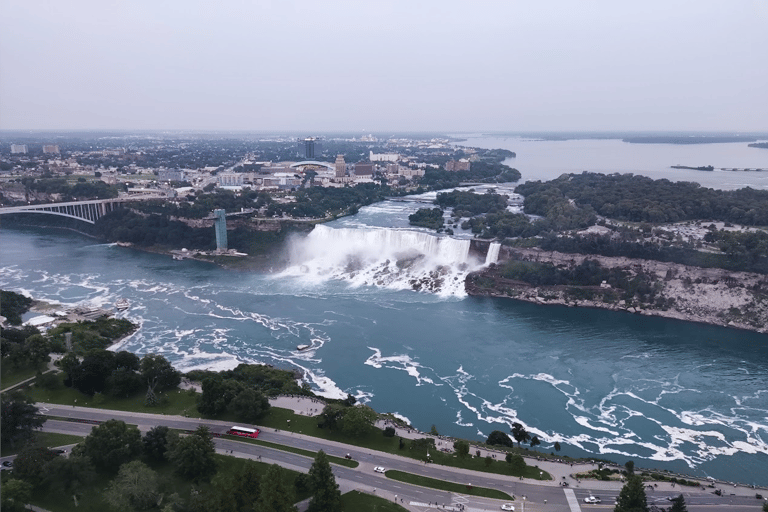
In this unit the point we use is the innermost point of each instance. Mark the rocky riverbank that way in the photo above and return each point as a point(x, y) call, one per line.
point(707, 295)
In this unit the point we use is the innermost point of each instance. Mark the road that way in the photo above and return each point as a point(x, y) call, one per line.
point(539, 496)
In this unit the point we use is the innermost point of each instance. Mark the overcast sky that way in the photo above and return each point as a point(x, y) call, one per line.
point(443, 65)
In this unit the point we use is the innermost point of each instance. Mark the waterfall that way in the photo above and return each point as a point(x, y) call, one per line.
point(391, 258)
point(493, 253)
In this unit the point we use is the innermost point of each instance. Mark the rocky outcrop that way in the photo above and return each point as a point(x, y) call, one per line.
point(708, 295)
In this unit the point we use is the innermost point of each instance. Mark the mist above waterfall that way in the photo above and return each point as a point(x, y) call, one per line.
point(393, 258)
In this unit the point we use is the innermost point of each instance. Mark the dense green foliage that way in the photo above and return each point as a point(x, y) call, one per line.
point(193, 455)
point(431, 218)
point(326, 496)
point(110, 444)
point(78, 192)
point(640, 199)
point(13, 305)
point(124, 225)
point(632, 496)
point(468, 204)
point(743, 257)
point(89, 335)
point(497, 437)
point(483, 171)
point(321, 202)
point(19, 418)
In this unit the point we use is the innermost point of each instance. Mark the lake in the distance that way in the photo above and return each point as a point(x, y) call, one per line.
point(545, 159)
point(664, 393)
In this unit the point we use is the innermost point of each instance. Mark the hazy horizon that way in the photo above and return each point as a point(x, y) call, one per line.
point(360, 67)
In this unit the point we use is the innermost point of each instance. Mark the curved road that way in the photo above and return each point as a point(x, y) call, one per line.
point(540, 496)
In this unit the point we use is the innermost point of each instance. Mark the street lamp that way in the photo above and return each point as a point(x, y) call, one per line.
point(523, 503)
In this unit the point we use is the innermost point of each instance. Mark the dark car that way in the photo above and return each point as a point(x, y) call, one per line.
point(59, 451)
point(7, 464)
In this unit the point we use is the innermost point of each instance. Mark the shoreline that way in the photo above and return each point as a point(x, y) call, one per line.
point(707, 296)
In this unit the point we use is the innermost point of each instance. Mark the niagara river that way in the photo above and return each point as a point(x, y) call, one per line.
point(384, 312)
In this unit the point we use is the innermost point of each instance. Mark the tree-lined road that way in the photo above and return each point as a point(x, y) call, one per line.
point(540, 496)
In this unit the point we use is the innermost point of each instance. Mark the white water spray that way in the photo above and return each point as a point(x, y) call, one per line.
point(391, 258)
point(493, 253)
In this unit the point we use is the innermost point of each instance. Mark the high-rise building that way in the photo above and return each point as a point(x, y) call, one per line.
point(362, 169)
point(18, 149)
point(310, 148)
point(50, 149)
point(341, 166)
point(221, 229)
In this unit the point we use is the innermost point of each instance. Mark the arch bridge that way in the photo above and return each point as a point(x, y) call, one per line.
point(86, 211)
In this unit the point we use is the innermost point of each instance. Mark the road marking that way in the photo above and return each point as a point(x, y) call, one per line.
point(572, 501)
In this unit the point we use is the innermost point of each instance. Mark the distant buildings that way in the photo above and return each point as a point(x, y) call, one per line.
point(341, 166)
point(384, 157)
point(460, 165)
point(363, 169)
point(170, 175)
point(17, 149)
point(310, 148)
point(230, 179)
point(51, 149)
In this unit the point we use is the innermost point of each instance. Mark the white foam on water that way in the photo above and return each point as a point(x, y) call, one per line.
point(398, 259)
point(399, 362)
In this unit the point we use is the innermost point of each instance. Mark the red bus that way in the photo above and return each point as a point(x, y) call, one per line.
point(244, 432)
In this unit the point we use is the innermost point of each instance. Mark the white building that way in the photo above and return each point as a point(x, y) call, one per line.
point(383, 157)
point(18, 149)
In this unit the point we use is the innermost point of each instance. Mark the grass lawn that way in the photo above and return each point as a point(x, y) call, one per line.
point(48, 439)
point(91, 499)
point(442, 485)
point(183, 403)
point(177, 402)
point(11, 376)
point(358, 501)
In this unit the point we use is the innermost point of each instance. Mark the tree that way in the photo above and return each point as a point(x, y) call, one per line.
point(193, 455)
point(331, 416)
point(249, 405)
point(535, 441)
point(632, 496)
point(630, 466)
point(68, 475)
point(158, 373)
point(497, 437)
point(516, 463)
point(16, 495)
point(135, 487)
point(217, 394)
point(110, 445)
point(557, 446)
point(30, 464)
point(37, 348)
point(678, 505)
point(326, 496)
point(357, 420)
point(246, 487)
point(389, 432)
point(433, 431)
point(90, 376)
point(156, 442)
point(462, 448)
point(123, 382)
point(19, 418)
point(275, 496)
point(519, 433)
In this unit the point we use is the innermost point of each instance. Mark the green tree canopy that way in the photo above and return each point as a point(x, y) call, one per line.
point(134, 488)
point(497, 437)
point(69, 475)
point(678, 505)
point(110, 445)
point(462, 448)
point(157, 440)
point(326, 496)
point(249, 405)
point(275, 496)
point(16, 494)
point(31, 461)
point(193, 455)
point(19, 418)
point(357, 420)
point(519, 433)
point(158, 372)
point(632, 496)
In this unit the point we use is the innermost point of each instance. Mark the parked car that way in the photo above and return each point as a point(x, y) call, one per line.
point(507, 506)
point(592, 499)
point(379, 469)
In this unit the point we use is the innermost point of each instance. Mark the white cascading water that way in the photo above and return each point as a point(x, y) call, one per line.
point(493, 253)
point(391, 258)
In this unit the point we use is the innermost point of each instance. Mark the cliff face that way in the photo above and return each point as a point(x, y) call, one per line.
point(713, 296)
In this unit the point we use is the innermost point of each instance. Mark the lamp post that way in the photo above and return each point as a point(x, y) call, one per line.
point(523, 503)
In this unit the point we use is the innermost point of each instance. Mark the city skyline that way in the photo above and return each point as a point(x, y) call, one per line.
point(372, 67)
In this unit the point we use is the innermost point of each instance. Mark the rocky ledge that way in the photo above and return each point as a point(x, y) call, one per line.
point(708, 295)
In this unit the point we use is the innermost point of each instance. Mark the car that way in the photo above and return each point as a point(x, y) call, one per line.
point(592, 499)
point(379, 469)
point(59, 451)
point(507, 506)
point(7, 464)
